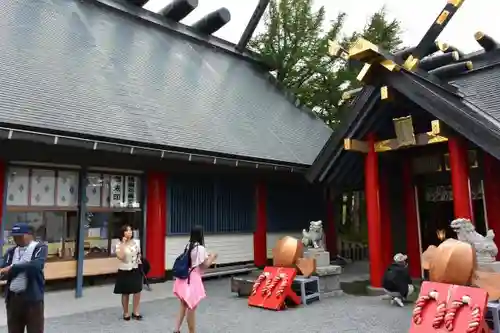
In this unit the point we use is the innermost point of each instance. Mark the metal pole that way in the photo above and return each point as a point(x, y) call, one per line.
point(82, 221)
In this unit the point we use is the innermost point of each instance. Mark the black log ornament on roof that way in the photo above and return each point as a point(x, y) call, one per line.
point(410, 58)
point(178, 9)
point(213, 22)
point(486, 42)
point(425, 46)
point(138, 3)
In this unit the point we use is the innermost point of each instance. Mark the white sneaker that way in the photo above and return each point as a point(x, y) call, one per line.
point(398, 301)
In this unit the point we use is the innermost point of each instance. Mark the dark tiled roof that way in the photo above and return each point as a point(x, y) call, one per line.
point(474, 111)
point(70, 66)
point(481, 89)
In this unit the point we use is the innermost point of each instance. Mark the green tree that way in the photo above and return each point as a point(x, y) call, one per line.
point(379, 30)
point(295, 44)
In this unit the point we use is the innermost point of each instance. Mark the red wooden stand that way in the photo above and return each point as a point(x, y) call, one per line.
point(450, 308)
point(273, 287)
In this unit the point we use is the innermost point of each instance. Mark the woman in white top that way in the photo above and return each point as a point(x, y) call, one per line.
point(129, 277)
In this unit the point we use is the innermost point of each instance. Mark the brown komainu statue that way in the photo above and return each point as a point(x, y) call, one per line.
point(289, 252)
point(454, 262)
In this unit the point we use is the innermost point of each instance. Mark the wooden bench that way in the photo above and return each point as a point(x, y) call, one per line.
point(242, 285)
point(228, 270)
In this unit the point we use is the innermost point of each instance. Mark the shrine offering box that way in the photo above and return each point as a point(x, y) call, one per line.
point(273, 289)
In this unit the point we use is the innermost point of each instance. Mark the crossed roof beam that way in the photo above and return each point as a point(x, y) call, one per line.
point(418, 60)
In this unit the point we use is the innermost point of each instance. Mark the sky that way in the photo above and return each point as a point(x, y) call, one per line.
point(415, 16)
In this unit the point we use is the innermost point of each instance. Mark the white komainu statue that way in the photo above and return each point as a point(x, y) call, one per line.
point(314, 236)
point(486, 250)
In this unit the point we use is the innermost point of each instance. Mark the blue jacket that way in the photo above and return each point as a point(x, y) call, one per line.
point(34, 272)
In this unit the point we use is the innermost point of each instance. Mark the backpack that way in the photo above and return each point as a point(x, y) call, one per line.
point(181, 269)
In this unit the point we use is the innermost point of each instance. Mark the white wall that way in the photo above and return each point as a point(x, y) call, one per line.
point(273, 238)
point(231, 248)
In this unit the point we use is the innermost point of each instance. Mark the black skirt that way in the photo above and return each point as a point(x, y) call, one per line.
point(128, 282)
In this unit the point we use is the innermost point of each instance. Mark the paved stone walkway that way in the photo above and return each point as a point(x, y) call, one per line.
point(222, 312)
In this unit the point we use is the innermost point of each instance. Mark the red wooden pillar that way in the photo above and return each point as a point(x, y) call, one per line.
point(459, 168)
point(330, 232)
point(491, 194)
point(372, 190)
point(260, 233)
point(412, 230)
point(385, 215)
point(156, 223)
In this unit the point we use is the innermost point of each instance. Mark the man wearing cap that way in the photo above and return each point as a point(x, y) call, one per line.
point(397, 282)
point(22, 268)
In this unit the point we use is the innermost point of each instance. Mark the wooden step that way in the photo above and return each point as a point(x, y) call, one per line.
point(228, 270)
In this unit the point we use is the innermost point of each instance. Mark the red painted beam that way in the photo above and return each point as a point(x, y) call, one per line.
point(260, 233)
point(491, 194)
point(330, 232)
point(412, 230)
point(385, 215)
point(156, 223)
point(372, 190)
point(459, 168)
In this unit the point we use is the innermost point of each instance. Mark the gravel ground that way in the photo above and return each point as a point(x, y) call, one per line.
point(223, 312)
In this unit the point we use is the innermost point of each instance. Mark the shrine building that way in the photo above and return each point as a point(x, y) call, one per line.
point(423, 143)
point(111, 114)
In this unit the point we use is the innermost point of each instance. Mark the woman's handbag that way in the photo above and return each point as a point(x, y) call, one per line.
point(144, 268)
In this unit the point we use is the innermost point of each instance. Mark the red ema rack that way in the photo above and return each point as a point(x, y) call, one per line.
point(450, 308)
point(273, 289)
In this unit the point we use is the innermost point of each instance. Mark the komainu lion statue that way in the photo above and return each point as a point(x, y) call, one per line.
point(314, 236)
point(486, 250)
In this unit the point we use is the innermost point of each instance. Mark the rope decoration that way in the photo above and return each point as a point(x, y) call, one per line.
point(475, 320)
point(267, 286)
point(258, 282)
point(420, 304)
point(447, 315)
point(273, 284)
point(451, 313)
point(440, 315)
point(283, 284)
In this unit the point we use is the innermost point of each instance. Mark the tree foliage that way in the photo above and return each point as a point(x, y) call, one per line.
point(295, 43)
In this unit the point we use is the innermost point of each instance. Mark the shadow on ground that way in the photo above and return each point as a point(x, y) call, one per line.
point(359, 288)
point(222, 312)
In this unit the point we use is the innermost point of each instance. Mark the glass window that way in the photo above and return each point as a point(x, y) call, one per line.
point(57, 229)
point(103, 231)
point(112, 192)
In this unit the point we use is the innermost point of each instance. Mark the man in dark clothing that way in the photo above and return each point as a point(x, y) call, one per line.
point(397, 282)
point(22, 268)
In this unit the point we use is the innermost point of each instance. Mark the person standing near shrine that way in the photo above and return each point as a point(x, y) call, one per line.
point(397, 282)
point(191, 291)
point(129, 278)
point(22, 268)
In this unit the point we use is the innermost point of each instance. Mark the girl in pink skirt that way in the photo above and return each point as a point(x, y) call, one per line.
point(191, 291)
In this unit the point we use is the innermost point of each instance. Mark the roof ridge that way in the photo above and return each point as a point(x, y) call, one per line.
point(291, 97)
point(479, 69)
point(178, 28)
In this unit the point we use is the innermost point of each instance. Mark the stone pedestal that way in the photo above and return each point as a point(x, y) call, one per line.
point(329, 280)
point(329, 275)
point(489, 267)
point(322, 257)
